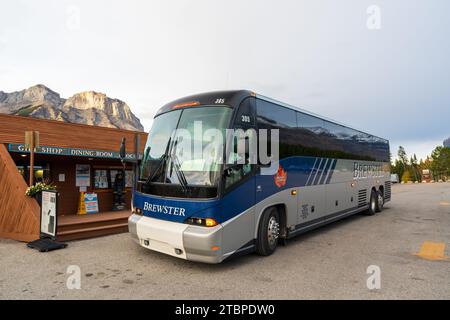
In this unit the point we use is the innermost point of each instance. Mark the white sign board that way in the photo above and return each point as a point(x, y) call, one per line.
point(91, 202)
point(83, 175)
point(48, 213)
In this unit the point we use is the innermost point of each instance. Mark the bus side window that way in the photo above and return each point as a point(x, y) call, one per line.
point(272, 116)
point(244, 119)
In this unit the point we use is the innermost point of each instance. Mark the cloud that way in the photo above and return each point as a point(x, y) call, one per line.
point(319, 55)
point(422, 148)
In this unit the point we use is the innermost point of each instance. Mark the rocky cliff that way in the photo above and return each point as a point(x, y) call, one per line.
point(90, 107)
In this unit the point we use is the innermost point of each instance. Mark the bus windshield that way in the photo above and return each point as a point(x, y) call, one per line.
point(182, 150)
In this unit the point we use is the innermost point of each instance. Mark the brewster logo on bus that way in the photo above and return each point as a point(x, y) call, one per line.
point(364, 171)
point(173, 211)
point(280, 177)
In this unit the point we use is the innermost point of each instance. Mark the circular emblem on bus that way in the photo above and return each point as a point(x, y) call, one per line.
point(280, 177)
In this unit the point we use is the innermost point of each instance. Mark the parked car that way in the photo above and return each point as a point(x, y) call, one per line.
point(394, 178)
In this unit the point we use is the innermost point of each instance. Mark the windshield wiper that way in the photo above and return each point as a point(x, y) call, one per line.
point(176, 164)
point(161, 163)
point(180, 174)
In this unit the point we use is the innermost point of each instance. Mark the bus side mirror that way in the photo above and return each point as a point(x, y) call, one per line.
point(123, 150)
point(228, 172)
point(147, 152)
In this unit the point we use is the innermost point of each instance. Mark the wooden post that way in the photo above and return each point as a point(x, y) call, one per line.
point(31, 141)
point(31, 158)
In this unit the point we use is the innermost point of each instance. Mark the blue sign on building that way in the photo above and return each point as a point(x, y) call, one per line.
point(74, 152)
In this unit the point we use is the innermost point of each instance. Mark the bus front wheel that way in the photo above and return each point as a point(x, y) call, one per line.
point(268, 232)
point(380, 201)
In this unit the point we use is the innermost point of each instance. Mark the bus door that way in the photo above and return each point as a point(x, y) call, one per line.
point(239, 183)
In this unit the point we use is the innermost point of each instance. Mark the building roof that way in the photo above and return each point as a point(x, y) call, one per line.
point(55, 133)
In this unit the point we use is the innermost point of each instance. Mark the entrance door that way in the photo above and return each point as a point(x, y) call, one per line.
point(239, 185)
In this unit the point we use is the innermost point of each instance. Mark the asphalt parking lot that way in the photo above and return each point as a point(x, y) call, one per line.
point(328, 263)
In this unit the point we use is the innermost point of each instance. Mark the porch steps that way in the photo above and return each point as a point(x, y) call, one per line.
point(77, 227)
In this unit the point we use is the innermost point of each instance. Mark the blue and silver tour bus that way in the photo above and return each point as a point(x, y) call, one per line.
point(209, 211)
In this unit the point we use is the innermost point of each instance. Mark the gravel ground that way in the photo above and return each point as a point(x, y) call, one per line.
point(328, 263)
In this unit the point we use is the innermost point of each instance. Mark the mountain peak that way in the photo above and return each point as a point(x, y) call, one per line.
point(87, 107)
point(91, 93)
point(40, 87)
point(41, 93)
point(88, 99)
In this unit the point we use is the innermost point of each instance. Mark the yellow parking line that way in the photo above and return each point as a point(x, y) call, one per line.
point(432, 251)
point(444, 203)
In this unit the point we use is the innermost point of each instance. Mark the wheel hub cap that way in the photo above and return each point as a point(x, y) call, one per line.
point(380, 201)
point(273, 231)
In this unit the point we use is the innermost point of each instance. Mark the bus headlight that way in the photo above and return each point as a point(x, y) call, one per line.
point(137, 211)
point(204, 222)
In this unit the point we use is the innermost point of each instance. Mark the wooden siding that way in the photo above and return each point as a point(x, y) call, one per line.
point(67, 135)
point(19, 214)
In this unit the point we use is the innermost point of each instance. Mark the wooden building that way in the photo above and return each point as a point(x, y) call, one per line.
point(63, 148)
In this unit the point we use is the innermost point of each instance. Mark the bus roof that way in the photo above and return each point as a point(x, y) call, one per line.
point(233, 98)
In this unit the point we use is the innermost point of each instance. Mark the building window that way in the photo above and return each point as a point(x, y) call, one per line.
point(104, 178)
point(128, 177)
point(101, 179)
point(41, 172)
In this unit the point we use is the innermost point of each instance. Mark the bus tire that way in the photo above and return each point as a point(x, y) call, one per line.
point(380, 201)
point(268, 232)
point(372, 204)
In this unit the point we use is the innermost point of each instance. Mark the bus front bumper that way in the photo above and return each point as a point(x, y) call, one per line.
point(177, 239)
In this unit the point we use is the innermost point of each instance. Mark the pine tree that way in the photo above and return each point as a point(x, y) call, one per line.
point(402, 155)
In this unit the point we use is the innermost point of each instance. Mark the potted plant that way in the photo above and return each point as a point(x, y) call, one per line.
point(35, 191)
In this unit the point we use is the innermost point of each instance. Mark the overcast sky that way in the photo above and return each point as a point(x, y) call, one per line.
point(386, 73)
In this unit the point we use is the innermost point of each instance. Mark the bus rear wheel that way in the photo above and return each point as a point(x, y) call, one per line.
point(373, 204)
point(268, 232)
